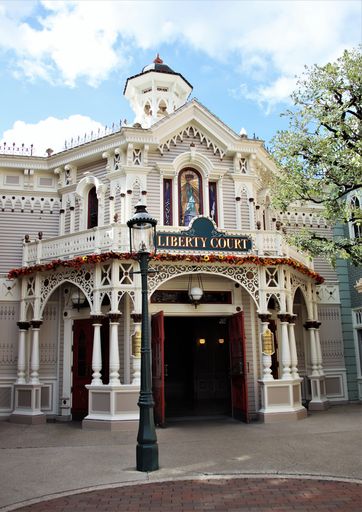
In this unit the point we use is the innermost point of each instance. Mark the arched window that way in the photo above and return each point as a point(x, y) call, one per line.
point(92, 208)
point(190, 196)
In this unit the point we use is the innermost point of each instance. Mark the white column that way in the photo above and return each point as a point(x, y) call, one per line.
point(113, 349)
point(293, 347)
point(97, 352)
point(313, 350)
point(286, 375)
point(23, 327)
point(266, 359)
point(35, 354)
point(318, 348)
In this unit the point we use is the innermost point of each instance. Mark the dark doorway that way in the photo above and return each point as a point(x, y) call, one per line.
point(82, 363)
point(197, 380)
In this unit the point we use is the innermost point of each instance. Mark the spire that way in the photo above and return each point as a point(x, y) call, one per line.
point(158, 59)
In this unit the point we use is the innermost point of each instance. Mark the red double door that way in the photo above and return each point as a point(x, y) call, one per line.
point(82, 363)
point(237, 367)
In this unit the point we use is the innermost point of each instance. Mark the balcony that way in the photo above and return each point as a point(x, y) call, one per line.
point(115, 237)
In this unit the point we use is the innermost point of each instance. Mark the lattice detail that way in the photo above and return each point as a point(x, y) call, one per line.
point(48, 353)
point(328, 294)
point(125, 273)
point(271, 276)
point(7, 312)
point(83, 278)
point(8, 288)
point(297, 282)
point(8, 354)
point(102, 295)
point(191, 131)
point(122, 293)
point(243, 165)
point(246, 276)
point(50, 312)
point(117, 162)
point(30, 287)
point(332, 350)
point(106, 275)
point(276, 296)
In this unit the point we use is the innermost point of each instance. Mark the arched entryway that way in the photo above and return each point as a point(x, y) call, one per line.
point(199, 354)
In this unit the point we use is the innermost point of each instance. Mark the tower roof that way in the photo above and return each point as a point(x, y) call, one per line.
point(157, 66)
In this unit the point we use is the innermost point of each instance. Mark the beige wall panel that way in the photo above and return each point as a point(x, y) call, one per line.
point(331, 336)
point(229, 203)
point(14, 225)
point(153, 198)
point(9, 334)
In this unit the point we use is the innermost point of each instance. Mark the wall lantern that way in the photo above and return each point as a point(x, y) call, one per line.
point(195, 291)
point(78, 298)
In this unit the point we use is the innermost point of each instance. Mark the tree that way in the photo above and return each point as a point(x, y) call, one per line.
point(319, 157)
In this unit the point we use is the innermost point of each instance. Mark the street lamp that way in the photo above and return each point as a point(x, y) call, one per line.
point(142, 230)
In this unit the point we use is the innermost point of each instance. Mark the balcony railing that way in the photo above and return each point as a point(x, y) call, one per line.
point(115, 237)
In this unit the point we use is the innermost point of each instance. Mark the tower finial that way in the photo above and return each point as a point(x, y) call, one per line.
point(158, 59)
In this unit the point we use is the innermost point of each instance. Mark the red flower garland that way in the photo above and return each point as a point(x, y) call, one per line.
point(92, 259)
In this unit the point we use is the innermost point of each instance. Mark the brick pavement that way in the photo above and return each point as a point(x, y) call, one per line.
point(234, 494)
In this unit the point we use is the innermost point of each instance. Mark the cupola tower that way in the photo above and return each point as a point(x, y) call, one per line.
point(156, 92)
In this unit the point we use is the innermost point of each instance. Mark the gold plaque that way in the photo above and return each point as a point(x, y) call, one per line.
point(268, 342)
point(136, 344)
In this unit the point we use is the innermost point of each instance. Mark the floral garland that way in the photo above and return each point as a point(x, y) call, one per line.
point(92, 259)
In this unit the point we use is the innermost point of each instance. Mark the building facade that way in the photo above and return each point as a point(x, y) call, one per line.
point(263, 341)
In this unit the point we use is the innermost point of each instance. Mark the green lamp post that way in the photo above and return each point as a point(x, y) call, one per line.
point(142, 228)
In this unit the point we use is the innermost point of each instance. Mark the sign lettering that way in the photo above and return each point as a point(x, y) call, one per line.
point(202, 235)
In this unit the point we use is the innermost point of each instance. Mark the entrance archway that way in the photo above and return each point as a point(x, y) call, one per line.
point(197, 367)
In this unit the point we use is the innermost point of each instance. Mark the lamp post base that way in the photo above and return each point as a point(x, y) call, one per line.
point(147, 457)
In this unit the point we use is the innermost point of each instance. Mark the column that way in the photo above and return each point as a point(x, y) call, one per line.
point(286, 362)
point(293, 347)
point(113, 349)
point(266, 358)
point(97, 352)
point(23, 327)
point(310, 326)
point(318, 348)
point(136, 349)
point(35, 353)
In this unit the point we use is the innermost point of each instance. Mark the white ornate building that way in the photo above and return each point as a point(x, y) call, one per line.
point(265, 339)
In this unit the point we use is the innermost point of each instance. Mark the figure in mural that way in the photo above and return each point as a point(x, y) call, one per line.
point(190, 202)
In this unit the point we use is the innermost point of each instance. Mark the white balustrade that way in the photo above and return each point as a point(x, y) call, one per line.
point(115, 237)
point(95, 240)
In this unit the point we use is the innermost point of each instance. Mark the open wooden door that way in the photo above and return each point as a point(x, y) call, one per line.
point(82, 367)
point(238, 368)
point(158, 371)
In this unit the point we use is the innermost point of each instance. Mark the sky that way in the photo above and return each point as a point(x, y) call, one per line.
point(64, 64)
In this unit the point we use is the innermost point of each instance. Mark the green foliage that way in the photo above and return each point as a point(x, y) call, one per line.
point(320, 156)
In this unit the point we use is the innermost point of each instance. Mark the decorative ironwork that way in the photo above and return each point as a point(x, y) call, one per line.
point(247, 276)
point(182, 297)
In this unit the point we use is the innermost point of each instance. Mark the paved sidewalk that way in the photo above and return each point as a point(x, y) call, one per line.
point(219, 461)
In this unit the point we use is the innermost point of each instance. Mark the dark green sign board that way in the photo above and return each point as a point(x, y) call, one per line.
point(202, 236)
